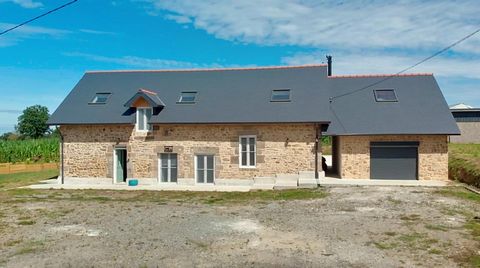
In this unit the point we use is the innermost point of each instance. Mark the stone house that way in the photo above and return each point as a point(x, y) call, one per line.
point(237, 126)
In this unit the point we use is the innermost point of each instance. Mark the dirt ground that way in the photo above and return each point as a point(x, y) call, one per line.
point(346, 227)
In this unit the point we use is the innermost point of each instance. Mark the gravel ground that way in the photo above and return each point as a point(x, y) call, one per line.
point(351, 227)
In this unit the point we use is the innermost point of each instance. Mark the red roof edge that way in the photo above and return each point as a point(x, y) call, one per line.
point(147, 91)
point(214, 69)
point(378, 75)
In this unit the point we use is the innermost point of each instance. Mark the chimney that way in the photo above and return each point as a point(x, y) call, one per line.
point(329, 65)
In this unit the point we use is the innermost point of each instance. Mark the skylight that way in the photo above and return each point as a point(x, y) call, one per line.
point(280, 95)
point(187, 97)
point(385, 95)
point(100, 98)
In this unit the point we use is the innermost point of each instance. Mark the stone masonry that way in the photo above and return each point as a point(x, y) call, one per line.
point(432, 162)
point(281, 149)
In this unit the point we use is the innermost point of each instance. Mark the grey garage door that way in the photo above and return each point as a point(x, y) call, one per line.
point(393, 160)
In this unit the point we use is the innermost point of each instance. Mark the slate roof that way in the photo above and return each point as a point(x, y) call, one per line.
point(243, 96)
point(421, 107)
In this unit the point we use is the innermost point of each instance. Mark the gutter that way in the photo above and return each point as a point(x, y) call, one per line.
point(317, 139)
point(62, 171)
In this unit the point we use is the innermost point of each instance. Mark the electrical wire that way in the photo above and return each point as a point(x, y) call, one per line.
point(37, 17)
point(408, 68)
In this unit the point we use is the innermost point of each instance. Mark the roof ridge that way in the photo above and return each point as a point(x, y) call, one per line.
point(215, 69)
point(378, 75)
point(147, 91)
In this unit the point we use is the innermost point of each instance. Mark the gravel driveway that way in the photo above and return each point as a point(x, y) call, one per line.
point(350, 227)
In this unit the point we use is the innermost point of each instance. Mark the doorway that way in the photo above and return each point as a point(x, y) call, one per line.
point(120, 165)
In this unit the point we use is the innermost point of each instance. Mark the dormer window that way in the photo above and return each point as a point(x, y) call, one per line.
point(187, 97)
point(100, 98)
point(385, 95)
point(143, 116)
point(280, 95)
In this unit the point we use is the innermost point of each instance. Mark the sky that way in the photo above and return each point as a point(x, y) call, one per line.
point(41, 62)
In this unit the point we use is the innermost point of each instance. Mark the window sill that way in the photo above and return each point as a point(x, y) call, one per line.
point(247, 167)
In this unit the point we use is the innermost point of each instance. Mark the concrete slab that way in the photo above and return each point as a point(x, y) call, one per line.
point(307, 183)
point(258, 184)
point(158, 187)
point(234, 182)
point(183, 181)
point(263, 183)
point(365, 182)
point(263, 186)
point(307, 174)
point(286, 176)
point(264, 180)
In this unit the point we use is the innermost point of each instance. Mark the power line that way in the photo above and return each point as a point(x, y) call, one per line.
point(408, 68)
point(37, 17)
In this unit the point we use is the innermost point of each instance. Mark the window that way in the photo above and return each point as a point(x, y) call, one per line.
point(281, 95)
point(100, 98)
point(187, 97)
point(143, 116)
point(247, 149)
point(205, 168)
point(385, 95)
point(168, 167)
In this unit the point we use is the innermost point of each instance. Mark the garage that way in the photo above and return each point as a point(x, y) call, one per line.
point(394, 160)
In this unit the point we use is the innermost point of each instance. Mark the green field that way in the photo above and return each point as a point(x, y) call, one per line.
point(464, 163)
point(29, 151)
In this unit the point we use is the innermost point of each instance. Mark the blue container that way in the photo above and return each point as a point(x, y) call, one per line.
point(133, 182)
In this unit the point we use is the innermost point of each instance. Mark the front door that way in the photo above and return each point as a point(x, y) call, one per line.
point(120, 165)
point(205, 168)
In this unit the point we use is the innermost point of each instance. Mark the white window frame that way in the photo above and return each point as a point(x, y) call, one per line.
point(204, 170)
point(248, 137)
point(147, 126)
point(169, 168)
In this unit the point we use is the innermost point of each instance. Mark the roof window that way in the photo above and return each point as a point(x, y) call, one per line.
point(280, 95)
point(187, 97)
point(385, 95)
point(100, 98)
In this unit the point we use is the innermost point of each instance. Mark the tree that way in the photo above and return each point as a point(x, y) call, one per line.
point(8, 136)
point(33, 122)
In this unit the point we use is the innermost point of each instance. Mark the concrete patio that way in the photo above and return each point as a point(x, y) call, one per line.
point(257, 184)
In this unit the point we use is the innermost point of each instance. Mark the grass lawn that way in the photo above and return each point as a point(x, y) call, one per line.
point(470, 152)
point(464, 163)
point(8, 181)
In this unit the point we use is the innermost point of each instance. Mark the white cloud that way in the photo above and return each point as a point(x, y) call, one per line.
point(404, 24)
point(10, 111)
point(178, 18)
point(138, 62)
point(90, 31)
point(25, 32)
point(387, 63)
point(25, 3)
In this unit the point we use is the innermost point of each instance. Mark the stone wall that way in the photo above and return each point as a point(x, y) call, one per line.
point(282, 148)
point(432, 162)
point(470, 133)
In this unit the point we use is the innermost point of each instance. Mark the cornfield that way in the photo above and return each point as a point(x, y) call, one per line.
point(35, 150)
